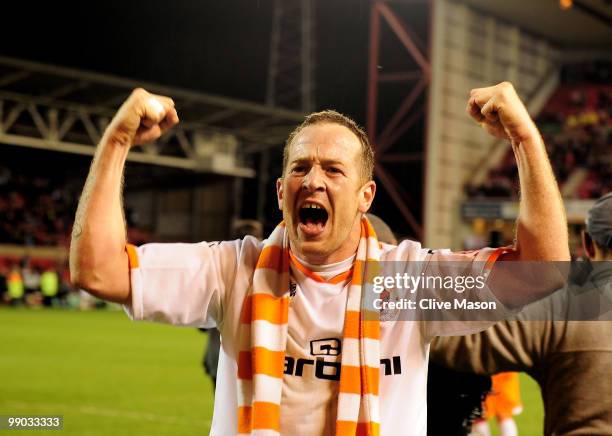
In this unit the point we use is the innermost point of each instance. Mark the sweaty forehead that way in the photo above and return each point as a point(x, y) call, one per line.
point(325, 141)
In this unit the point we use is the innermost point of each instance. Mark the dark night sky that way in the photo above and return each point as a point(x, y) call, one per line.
point(216, 47)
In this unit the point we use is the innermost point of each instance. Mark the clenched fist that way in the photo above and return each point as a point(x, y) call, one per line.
point(500, 111)
point(142, 118)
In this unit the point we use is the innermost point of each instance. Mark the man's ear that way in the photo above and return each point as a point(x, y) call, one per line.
point(279, 192)
point(366, 197)
point(587, 244)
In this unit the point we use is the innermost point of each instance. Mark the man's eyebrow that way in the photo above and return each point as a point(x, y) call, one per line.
point(323, 161)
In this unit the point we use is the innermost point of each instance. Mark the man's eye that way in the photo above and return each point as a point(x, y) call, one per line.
point(334, 170)
point(298, 169)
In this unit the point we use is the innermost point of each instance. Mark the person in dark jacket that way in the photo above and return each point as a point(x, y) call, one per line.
point(564, 341)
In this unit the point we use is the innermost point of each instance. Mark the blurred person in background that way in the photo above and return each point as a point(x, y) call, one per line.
point(49, 287)
point(4, 272)
point(564, 342)
point(501, 404)
point(382, 229)
point(298, 294)
point(16, 289)
point(31, 276)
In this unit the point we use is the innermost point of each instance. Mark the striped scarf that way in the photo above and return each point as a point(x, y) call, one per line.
point(263, 338)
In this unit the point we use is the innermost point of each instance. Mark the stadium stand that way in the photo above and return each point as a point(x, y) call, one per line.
point(37, 208)
point(37, 211)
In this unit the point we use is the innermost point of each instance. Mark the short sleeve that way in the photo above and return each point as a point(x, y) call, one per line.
point(444, 303)
point(181, 284)
point(481, 260)
point(475, 264)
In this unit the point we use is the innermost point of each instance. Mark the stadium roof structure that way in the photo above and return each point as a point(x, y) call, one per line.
point(585, 24)
point(62, 109)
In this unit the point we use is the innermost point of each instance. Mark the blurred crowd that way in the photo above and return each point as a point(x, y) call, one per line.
point(35, 282)
point(577, 128)
point(39, 210)
point(36, 211)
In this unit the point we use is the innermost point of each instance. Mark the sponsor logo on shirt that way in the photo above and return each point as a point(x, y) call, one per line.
point(326, 347)
point(328, 369)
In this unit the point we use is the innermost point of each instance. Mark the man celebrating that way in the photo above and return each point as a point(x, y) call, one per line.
point(301, 353)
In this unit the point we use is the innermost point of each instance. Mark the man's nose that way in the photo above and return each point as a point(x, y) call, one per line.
point(313, 180)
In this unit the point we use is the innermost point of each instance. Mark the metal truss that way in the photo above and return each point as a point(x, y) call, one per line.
point(62, 109)
point(290, 74)
point(406, 115)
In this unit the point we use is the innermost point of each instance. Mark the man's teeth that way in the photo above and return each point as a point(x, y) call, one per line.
point(311, 206)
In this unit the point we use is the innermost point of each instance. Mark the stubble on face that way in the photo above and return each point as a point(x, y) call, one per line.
point(321, 193)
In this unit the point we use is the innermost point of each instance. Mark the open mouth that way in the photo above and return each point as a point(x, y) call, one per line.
point(312, 219)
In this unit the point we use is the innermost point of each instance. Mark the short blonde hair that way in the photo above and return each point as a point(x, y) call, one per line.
point(333, 117)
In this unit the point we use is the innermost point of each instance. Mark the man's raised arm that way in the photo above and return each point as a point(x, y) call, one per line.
point(98, 260)
point(541, 233)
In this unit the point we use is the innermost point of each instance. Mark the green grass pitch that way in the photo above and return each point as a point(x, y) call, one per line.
point(110, 376)
point(104, 373)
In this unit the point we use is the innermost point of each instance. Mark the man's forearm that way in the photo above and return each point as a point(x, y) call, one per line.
point(98, 262)
point(542, 226)
point(541, 232)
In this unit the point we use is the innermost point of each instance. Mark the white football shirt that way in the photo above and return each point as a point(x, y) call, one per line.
point(204, 285)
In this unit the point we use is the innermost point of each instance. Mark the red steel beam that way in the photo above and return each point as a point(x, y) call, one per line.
point(403, 119)
point(399, 30)
point(401, 129)
point(401, 113)
point(373, 75)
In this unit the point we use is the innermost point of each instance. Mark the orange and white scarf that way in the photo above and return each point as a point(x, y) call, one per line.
point(263, 338)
